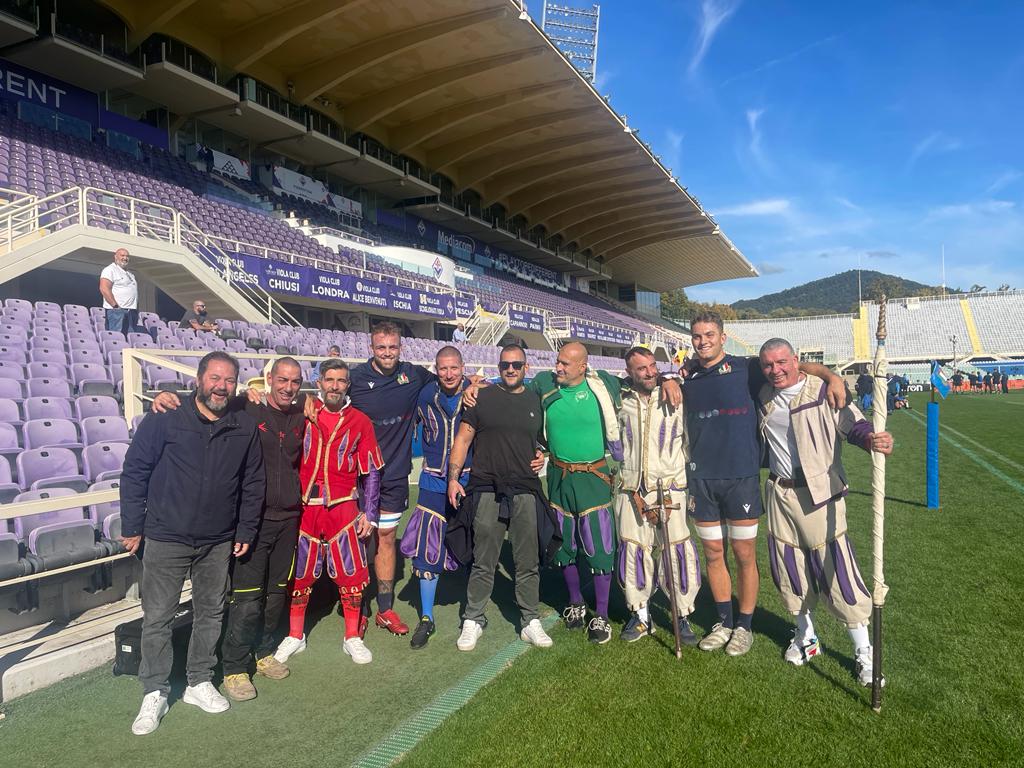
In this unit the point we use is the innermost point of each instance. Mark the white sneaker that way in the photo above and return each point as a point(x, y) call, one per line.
point(289, 647)
point(471, 632)
point(800, 652)
point(534, 634)
point(154, 707)
point(206, 697)
point(864, 667)
point(356, 648)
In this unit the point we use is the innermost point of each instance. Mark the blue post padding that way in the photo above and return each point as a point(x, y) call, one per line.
point(932, 456)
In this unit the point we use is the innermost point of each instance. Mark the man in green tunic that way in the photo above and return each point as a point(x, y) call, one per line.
point(580, 424)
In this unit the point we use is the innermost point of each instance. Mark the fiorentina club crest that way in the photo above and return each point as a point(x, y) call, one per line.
point(438, 267)
point(421, 228)
point(724, 369)
point(402, 379)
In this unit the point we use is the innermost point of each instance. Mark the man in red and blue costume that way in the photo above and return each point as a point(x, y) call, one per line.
point(339, 450)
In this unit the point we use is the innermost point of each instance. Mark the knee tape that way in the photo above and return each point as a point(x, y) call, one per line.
point(743, 532)
point(712, 532)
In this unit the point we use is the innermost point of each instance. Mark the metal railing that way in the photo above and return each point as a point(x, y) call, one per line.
point(103, 209)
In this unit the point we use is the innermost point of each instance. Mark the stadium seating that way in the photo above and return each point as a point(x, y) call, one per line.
point(999, 319)
point(832, 333)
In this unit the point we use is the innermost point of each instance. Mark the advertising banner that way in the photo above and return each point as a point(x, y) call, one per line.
point(525, 321)
point(586, 332)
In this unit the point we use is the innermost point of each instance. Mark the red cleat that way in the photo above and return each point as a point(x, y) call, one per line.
point(364, 623)
point(389, 620)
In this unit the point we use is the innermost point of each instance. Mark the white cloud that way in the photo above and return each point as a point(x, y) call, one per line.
point(771, 207)
point(1003, 180)
point(602, 78)
point(982, 208)
point(934, 143)
point(848, 204)
point(713, 14)
point(779, 60)
point(754, 146)
point(672, 154)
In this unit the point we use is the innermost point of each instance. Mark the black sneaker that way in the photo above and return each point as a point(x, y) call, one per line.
point(575, 617)
point(422, 633)
point(635, 629)
point(686, 635)
point(599, 631)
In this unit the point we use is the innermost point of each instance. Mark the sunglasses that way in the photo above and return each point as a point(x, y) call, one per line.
point(515, 365)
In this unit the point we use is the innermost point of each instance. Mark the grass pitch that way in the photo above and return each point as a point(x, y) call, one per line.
point(952, 628)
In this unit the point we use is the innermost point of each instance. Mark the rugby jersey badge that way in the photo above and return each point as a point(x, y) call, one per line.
point(724, 369)
point(402, 379)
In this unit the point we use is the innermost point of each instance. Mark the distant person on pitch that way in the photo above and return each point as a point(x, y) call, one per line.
point(808, 548)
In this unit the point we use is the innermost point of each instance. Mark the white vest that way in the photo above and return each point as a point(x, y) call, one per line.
point(653, 443)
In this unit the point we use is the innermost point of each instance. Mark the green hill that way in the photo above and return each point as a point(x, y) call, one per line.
point(830, 295)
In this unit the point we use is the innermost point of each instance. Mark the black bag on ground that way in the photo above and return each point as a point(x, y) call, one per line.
point(128, 640)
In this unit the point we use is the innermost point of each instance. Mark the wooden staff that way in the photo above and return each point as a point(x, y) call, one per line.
point(880, 589)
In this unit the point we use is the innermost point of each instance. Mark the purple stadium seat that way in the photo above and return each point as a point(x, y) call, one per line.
point(11, 390)
point(92, 379)
point(136, 420)
point(48, 341)
point(9, 370)
point(13, 354)
point(100, 429)
point(59, 538)
point(47, 408)
point(8, 488)
point(49, 468)
point(19, 304)
point(48, 371)
point(49, 433)
point(48, 355)
point(103, 461)
point(99, 513)
point(87, 355)
point(49, 388)
point(96, 405)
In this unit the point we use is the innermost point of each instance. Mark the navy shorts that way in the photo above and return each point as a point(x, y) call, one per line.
point(394, 500)
point(712, 501)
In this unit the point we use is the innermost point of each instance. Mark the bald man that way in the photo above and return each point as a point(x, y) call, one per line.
point(580, 425)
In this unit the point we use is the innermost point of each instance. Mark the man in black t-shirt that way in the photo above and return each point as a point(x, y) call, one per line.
point(503, 426)
point(721, 394)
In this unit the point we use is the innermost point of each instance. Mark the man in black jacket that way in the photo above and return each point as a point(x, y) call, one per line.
point(193, 485)
point(259, 580)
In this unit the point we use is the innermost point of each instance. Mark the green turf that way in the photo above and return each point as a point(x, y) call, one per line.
point(952, 629)
point(952, 635)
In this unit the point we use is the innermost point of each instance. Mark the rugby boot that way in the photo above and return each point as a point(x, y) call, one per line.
point(599, 630)
point(422, 633)
point(239, 687)
point(575, 617)
point(740, 642)
point(271, 668)
point(716, 638)
point(802, 651)
point(864, 667)
point(635, 629)
point(389, 620)
point(686, 634)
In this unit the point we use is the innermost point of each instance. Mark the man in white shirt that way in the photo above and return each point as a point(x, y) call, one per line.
point(459, 335)
point(810, 555)
point(120, 294)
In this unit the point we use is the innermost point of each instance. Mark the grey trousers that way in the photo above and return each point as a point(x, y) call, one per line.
point(488, 535)
point(166, 566)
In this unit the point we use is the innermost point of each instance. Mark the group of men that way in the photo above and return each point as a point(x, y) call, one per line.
point(289, 487)
point(989, 382)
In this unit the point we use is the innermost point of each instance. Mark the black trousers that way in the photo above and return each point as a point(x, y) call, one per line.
point(259, 595)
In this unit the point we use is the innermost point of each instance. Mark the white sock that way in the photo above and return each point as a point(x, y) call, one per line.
point(804, 627)
point(859, 636)
point(644, 615)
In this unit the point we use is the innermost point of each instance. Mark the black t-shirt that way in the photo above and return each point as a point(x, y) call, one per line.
point(507, 430)
point(721, 418)
point(188, 317)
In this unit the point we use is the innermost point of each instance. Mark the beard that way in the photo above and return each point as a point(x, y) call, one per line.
point(206, 398)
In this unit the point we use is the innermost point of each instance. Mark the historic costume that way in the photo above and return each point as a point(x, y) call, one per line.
point(654, 448)
point(338, 449)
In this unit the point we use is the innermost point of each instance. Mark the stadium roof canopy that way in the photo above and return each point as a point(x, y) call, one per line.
point(474, 90)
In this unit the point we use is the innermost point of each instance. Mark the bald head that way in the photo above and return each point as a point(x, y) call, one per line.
point(571, 365)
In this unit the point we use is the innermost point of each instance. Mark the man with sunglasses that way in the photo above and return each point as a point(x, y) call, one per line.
point(196, 319)
point(503, 494)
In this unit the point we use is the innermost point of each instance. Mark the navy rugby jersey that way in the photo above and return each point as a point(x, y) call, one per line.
point(390, 403)
point(721, 418)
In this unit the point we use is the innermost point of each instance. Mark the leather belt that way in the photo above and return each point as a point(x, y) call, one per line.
point(591, 467)
point(782, 482)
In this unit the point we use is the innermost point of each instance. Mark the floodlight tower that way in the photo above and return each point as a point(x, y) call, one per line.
point(574, 32)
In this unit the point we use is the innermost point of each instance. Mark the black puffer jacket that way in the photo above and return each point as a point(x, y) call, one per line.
point(281, 437)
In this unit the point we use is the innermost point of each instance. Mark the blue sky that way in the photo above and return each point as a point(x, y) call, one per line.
point(820, 134)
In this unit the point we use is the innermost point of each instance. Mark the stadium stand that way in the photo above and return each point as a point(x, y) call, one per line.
point(832, 333)
point(999, 318)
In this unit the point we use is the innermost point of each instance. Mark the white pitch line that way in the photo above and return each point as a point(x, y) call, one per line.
point(1011, 462)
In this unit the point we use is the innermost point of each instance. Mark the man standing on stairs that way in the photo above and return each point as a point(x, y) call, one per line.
point(120, 292)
